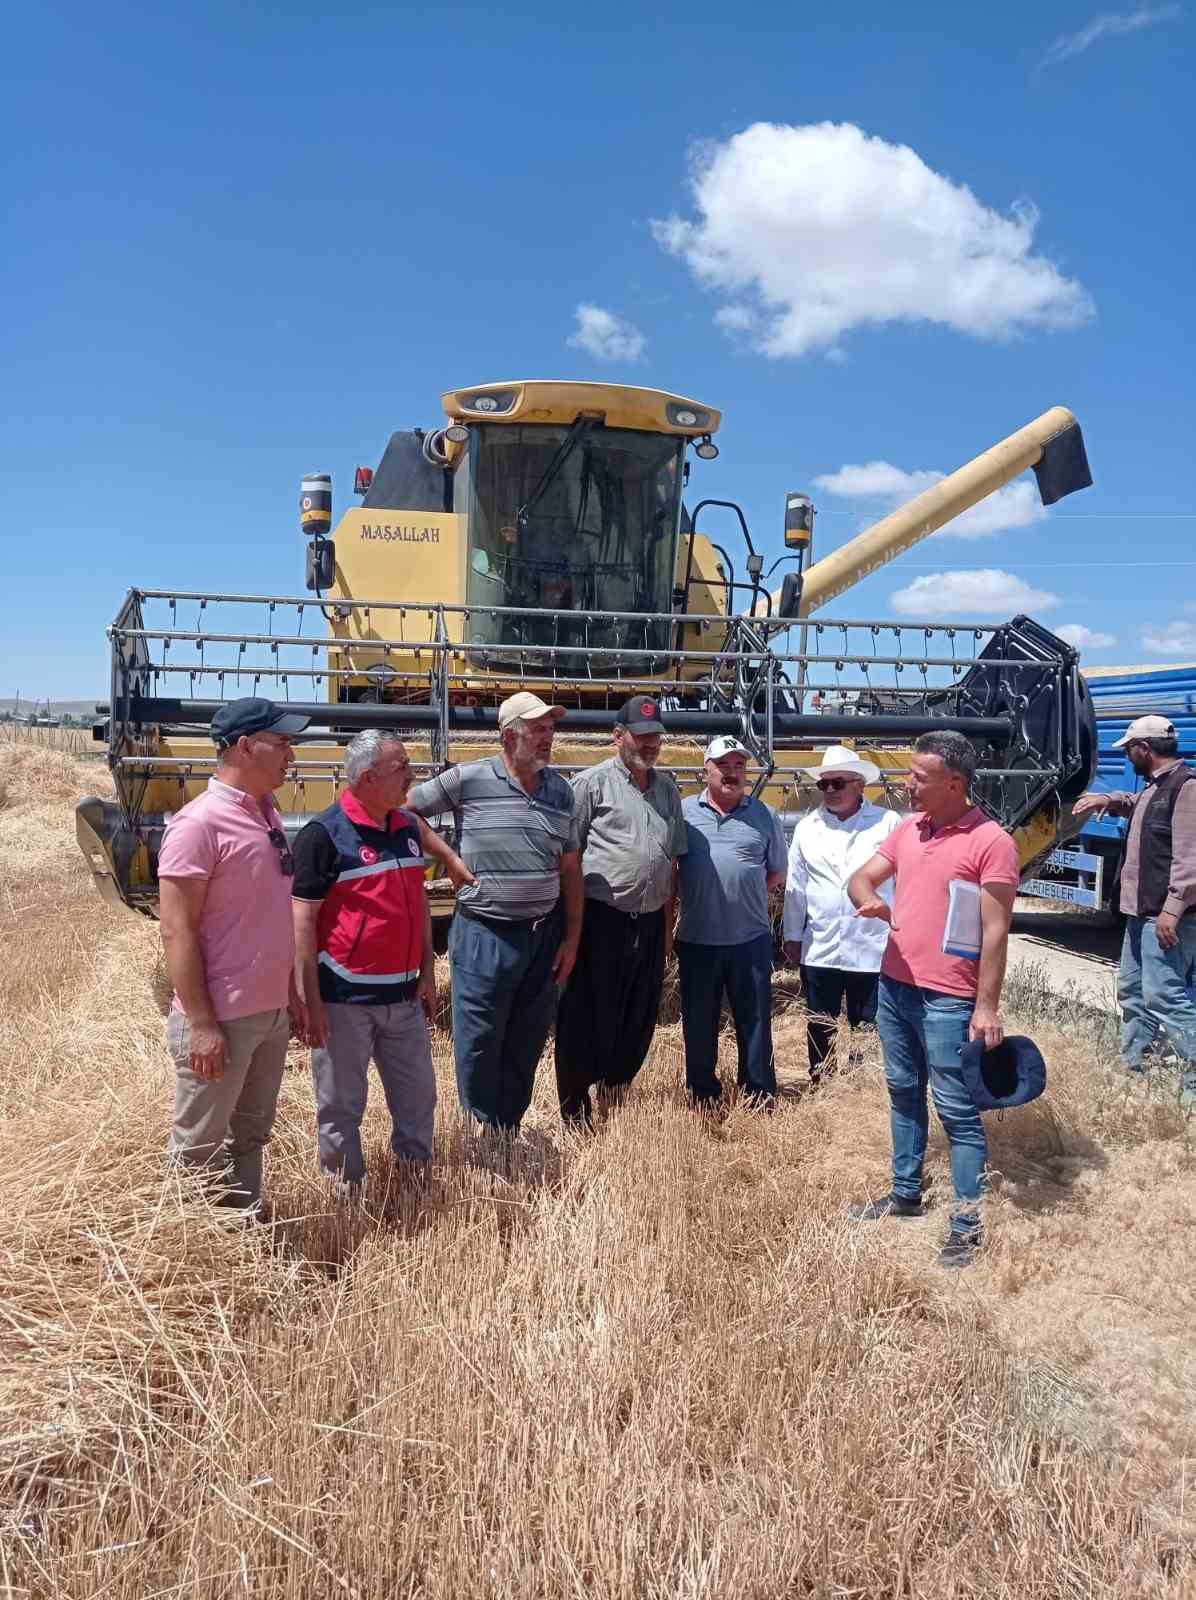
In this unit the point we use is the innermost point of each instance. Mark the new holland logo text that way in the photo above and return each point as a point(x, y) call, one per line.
point(400, 533)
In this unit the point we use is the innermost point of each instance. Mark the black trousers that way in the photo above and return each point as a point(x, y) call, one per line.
point(826, 989)
point(607, 1014)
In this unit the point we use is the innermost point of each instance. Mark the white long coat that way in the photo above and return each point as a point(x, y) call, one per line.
point(822, 857)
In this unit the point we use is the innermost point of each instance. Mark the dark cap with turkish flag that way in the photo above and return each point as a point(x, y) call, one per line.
point(640, 714)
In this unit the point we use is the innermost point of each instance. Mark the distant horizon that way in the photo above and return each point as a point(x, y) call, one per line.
point(30, 702)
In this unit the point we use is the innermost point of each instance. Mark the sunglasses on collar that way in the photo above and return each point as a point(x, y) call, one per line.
point(285, 859)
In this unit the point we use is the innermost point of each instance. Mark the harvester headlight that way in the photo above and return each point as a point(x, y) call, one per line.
point(457, 433)
point(381, 674)
point(707, 449)
point(687, 416)
point(488, 402)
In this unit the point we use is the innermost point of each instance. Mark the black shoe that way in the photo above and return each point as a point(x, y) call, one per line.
point(960, 1248)
point(891, 1206)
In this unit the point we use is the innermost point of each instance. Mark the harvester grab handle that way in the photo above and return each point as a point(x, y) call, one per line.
point(1052, 444)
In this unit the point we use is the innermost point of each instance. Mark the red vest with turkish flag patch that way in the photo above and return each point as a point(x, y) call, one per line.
point(370, 931)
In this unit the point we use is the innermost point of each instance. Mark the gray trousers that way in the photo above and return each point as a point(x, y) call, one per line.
point(224, 1123)
point(397, 1038)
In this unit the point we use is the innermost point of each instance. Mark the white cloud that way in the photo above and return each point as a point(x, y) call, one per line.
point(1108, 25)
point(875, 480)
point(606, 336)
point(1083, 638)
point(811, 231)
point(1014, 505)
point(984, 593)
point(736, 319)
point(1171, 639)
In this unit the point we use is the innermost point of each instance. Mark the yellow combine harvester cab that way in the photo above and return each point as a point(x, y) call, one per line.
point(541, 537)
point(547, 514)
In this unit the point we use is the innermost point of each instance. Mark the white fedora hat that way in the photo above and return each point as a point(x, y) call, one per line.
point(838, 759)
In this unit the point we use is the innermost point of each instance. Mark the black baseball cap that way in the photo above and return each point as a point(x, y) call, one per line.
point(640, 714)
point(251, 715)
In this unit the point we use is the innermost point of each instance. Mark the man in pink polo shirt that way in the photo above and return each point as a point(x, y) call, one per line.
point(224, 875)
point(940, 980)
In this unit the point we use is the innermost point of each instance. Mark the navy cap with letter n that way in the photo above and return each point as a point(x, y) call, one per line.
point(1011, 1075)
point(251, 715)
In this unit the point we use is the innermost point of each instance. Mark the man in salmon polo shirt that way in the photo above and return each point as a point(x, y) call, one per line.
point(940, 980)
point(224, 875)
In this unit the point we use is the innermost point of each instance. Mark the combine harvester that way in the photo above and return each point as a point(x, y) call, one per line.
point(539, 539)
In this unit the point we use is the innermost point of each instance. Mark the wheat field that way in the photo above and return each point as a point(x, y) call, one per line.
point(655, 1363)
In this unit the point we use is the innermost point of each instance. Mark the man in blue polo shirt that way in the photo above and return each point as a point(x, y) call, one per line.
point(736, 855)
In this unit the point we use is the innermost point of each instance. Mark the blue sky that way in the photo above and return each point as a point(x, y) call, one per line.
point(246, 241)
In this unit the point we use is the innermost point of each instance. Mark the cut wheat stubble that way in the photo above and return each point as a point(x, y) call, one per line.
point(657, 1362)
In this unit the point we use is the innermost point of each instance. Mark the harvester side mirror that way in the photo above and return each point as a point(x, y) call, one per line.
point(321, 564)
point(363, 477)
point(790, 603)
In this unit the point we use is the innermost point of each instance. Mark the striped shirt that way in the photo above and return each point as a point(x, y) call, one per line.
point(511, 841)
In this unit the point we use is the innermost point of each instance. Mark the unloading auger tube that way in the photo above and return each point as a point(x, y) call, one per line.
point(1052, 445)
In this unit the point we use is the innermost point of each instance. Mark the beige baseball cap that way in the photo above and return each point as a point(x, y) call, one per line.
point(528, 705)
point(1146, 728)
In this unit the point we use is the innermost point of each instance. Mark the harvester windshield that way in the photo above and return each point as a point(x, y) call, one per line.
point(581, 519)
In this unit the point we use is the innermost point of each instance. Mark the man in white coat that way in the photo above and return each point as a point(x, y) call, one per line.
point(839, 953)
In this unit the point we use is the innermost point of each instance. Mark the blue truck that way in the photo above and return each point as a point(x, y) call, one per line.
point(1082, 873)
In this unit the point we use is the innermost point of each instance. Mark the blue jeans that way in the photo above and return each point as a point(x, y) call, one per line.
point(744, 971)
point(504, 1000)
point(921, 1033)
point(1155, 989)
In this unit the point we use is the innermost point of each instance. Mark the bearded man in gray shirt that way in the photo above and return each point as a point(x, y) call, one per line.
point(631, 834)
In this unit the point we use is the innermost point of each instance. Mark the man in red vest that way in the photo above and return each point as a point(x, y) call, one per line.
point(363, 956)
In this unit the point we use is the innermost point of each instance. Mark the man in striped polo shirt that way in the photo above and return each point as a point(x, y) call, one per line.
point(514, 939)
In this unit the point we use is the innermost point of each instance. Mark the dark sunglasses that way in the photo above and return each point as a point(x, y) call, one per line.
point(833, 784)
point(285, 859)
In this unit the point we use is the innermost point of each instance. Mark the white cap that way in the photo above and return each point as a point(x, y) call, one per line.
point(725, 744)
point(1146, 728)
point(838, 758)
point(527, 705)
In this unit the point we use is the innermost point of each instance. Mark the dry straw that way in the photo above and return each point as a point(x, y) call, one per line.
point(655, 1363)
